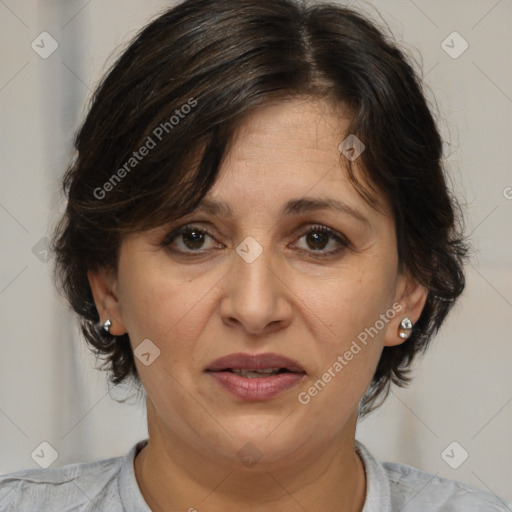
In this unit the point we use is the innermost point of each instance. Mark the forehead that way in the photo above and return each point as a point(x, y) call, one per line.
point(289, 152)
point(294, 142)
point(294, 125)
point(284, 163)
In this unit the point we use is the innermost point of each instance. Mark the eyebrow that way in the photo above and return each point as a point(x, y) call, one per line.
point(292, 207)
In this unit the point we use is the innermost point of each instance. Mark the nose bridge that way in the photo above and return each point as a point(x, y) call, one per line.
point(254, 291)
point(252, 268)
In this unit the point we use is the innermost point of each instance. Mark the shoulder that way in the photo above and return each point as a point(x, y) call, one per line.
point(81, 486)
point(394, 486)
point(418, 490)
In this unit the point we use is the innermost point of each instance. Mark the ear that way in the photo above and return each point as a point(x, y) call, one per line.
point(103, 285)
point(412, 297)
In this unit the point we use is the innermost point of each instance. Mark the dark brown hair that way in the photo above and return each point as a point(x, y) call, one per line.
point(181, 89)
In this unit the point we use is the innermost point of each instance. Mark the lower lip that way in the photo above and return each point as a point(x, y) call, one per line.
point(257, 388)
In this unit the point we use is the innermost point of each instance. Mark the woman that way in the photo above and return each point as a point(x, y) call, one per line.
point(260, 235)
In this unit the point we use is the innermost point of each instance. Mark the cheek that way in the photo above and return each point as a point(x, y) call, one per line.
point(163, 305)
point(349, 317)
point(344, 306)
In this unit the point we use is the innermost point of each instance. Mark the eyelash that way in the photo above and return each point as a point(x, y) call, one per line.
point(317, 228)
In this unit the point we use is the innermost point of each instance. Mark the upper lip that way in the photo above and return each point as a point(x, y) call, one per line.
point(242, 361)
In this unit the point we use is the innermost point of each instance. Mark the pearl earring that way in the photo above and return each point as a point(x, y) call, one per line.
point(405, 328)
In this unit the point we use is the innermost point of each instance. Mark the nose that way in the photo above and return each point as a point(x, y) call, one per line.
point(256, 298)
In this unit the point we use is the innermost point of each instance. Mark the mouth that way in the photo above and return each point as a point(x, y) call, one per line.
point(252, 374)
point(255, 365)
point(256, 377)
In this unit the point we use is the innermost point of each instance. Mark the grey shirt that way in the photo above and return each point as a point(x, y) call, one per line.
point(109, 485)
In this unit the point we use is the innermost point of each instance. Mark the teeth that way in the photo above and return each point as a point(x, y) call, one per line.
point(256, 373)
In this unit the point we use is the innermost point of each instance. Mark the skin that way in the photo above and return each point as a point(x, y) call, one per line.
point(197, 309)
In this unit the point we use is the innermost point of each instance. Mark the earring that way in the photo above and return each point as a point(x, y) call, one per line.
point(107, 325)
point(405, 328)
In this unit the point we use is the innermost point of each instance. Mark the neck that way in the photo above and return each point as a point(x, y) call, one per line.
point(174, 475)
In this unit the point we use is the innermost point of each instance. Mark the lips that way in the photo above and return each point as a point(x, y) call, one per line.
point(261, 363)
point(256, 377)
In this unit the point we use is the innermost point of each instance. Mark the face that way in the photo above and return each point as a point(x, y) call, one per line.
point(314, 292)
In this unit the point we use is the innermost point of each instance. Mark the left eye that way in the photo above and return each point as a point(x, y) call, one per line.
point(317, 238)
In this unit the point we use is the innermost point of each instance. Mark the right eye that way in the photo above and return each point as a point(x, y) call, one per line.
point(190, 238)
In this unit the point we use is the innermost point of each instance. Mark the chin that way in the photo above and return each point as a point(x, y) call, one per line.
point(265, 438)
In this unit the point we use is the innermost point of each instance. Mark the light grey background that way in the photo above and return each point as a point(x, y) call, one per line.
point(49, 390)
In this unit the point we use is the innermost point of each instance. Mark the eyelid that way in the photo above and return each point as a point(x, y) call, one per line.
point(190, 226)
point(342, 241)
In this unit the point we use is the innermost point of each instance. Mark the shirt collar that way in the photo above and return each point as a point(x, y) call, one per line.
point(131, 497)
point(378, 494)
